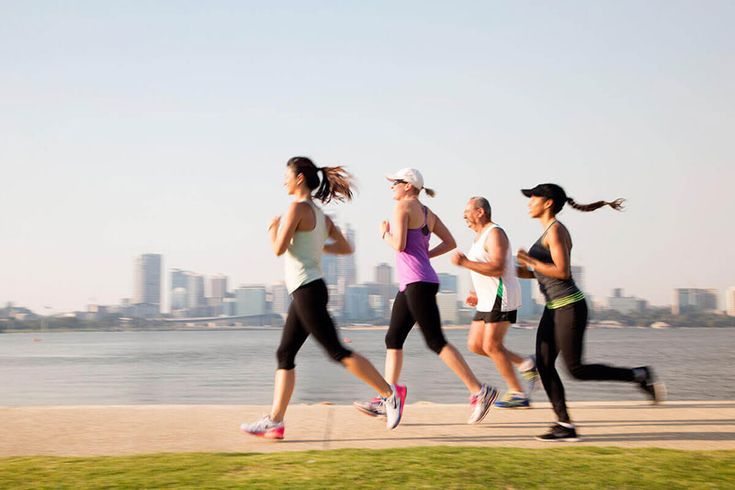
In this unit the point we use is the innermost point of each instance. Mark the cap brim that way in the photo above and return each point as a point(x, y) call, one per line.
point(527, 192)
point(392, 177)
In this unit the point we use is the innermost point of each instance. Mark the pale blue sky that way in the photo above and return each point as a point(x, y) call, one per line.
point(133, 127)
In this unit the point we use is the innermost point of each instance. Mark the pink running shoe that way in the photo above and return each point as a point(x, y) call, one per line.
point(394, 406)
point(265, 428)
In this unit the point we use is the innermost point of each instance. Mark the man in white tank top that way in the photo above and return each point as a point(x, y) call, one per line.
point(496, 295)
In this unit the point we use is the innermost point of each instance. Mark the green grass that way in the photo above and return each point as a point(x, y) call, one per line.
point(426, 467)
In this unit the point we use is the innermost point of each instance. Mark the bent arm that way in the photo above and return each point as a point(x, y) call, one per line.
point(496, 245)
point(282, 235)
point(447, 240)
point(339, 244)
point(396, 235)
point(560, 248)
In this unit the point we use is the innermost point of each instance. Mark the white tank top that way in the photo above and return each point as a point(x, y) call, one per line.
point(304, 253)
point(504, 289)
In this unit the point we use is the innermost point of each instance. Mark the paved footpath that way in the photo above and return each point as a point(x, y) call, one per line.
point(117, 430)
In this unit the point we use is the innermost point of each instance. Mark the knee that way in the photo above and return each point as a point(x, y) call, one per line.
point(339, 355)
point(493, 347)
point(577, 371)
point(475, 347)
point(393, 341)
point(436, 344)
point(285, 358)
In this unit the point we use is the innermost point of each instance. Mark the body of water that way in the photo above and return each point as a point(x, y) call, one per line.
point(237, 366)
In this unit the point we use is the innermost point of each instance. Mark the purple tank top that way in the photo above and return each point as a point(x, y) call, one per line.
point(413, 263)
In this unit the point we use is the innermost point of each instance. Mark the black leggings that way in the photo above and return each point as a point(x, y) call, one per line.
point(562, 330)
point(417, 304)
point(308, 315)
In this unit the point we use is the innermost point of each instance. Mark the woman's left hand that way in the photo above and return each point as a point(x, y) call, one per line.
point(384, 228)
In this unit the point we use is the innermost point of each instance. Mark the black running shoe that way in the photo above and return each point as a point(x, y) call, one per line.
point(655, 390)
point(559, 433)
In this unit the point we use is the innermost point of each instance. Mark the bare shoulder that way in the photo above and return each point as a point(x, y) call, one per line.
point(496, 238)
point(558, 233)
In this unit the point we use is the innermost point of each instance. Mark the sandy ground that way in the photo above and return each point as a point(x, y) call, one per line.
point(117, 430)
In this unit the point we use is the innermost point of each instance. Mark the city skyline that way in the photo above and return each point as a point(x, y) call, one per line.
point(170, 133)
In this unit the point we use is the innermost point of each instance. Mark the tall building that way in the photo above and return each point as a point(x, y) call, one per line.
point(329, 269)
point(578, 276)
point(448, 307)
point(218, 286)
point(357, 303)
point(385, 289)
point(179, 299)
point(529, 308)
point(692, 300)
point(625, 304)
point(346, 268)
point(178, 279)
point(448, 282)
point(730, 301)
point(178, 283)
point(251, 300)
point(329, 263)
point(194, 290)
point(147, 280)
point(383, 273)
point(280, 299)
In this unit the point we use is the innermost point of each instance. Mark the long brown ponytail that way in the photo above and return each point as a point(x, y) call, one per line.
point(336, 182)
point(617, 205)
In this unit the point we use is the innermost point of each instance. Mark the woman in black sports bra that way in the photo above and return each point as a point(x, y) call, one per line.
point(562, 325)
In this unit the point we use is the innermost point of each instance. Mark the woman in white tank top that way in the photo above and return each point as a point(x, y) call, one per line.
point(301, 235)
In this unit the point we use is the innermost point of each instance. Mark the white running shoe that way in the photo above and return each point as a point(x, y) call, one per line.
point(265, 428)
point(373, 408)
point(394, 406)
point(481, 403)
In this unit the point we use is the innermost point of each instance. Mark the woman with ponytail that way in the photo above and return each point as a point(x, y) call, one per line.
point(412, 226)
point(564, 320)
point(301, 236)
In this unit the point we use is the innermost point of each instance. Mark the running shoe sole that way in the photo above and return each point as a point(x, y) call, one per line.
point(520, 407)
point(562, 439)
point(271, 435)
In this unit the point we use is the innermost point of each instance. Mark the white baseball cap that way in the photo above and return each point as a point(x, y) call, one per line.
point(408, 175)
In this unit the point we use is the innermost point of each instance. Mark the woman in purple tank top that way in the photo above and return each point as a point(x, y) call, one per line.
point(412, 227)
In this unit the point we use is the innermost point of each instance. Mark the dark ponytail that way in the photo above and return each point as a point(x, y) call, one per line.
point(617, 205)
point(335, 182)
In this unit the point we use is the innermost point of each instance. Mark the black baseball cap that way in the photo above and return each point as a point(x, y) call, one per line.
point(549, 191)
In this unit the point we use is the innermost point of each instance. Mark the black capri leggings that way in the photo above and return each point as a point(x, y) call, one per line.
point(417, 304)
point(308, 315)
point(562, 330)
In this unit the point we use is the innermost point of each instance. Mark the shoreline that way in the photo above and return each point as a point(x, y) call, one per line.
point(521, 326)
